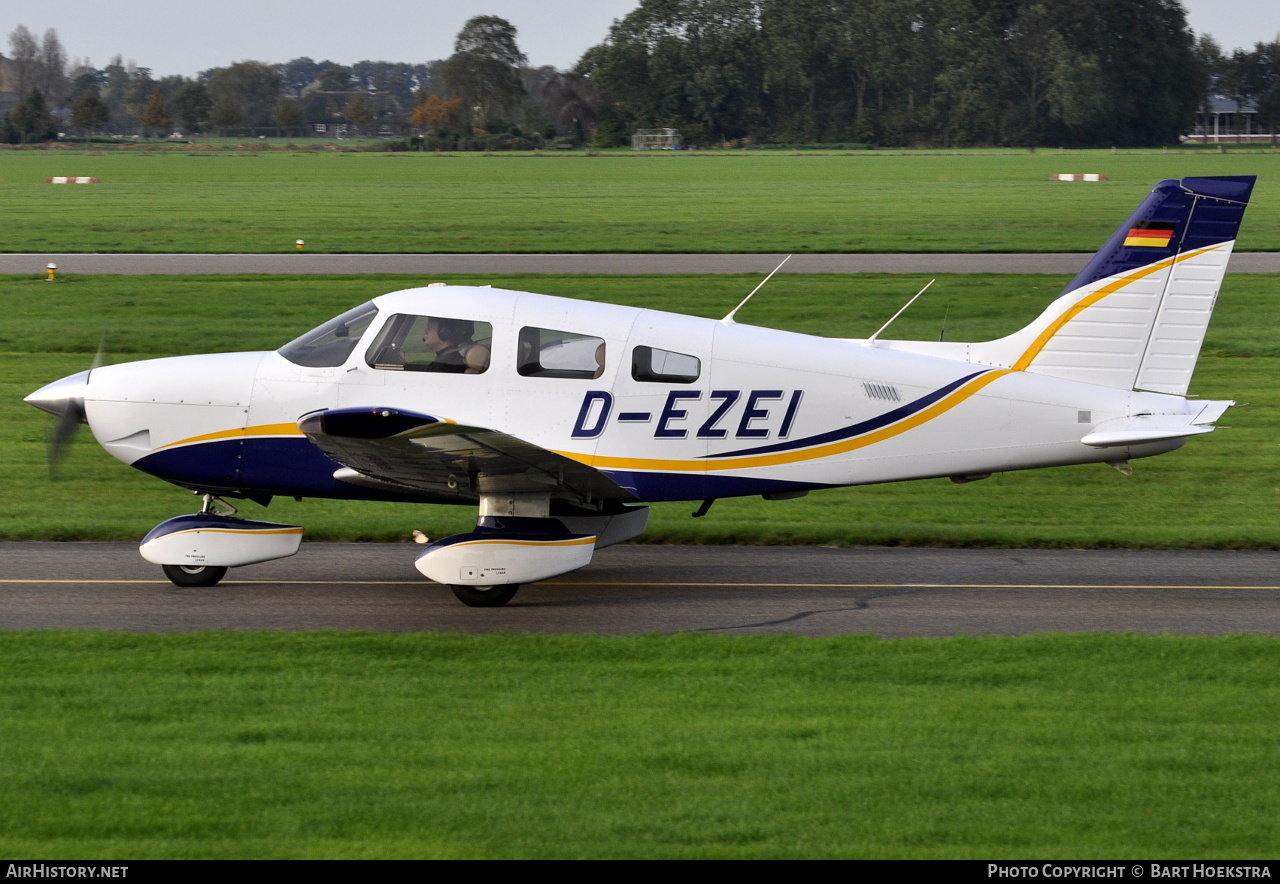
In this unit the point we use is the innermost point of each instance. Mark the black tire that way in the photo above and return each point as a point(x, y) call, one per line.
point(194, 575)
point(485, 596)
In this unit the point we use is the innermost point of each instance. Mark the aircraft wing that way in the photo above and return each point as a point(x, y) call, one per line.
point(396, 450)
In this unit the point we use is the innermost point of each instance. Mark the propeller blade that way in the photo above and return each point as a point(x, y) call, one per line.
point(64, 432)
point(64, 399)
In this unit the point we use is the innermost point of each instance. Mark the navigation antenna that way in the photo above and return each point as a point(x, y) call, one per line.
point(729, 318)
point(871, 340)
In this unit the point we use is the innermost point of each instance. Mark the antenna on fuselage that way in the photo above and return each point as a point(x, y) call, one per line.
point(871, 340)
point(729, 317)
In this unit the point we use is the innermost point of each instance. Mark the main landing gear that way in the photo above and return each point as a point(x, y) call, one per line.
point(194, 575)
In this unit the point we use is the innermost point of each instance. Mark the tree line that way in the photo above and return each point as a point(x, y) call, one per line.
point(920, 72)
point(878, 72)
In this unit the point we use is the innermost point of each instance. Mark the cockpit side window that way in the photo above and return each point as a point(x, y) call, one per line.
point(329, 345)
point(547, 353)
point(664, 366)
point(409, 342)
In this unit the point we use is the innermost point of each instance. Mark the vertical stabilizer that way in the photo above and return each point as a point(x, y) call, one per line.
point(1136, 315)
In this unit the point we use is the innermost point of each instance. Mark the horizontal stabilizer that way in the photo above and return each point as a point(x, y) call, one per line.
point(1156, 427)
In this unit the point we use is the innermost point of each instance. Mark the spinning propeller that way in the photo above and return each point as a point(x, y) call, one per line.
point(64, 399)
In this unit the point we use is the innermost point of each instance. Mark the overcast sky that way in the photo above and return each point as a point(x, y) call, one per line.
point(183, 38)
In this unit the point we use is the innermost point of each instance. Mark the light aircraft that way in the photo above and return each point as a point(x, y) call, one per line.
point(560, 419)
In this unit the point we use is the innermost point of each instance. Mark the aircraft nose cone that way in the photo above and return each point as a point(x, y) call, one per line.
point(62, 395)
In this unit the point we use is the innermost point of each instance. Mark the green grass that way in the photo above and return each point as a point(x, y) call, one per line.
point(711, 201)
point(499, 746)
point(1220, 491)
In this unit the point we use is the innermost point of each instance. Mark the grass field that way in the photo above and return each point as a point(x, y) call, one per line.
point(353, 745)
point(1219, 491)
point(712, 201)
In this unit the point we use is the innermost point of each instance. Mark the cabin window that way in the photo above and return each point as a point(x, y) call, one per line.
point(547, 353)
point(329, 345)
point(431, 343)
point(664, 366)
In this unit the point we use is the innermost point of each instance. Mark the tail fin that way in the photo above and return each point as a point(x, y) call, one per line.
point(1136, 316)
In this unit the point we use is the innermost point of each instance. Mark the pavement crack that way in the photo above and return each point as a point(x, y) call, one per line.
point(860, 603)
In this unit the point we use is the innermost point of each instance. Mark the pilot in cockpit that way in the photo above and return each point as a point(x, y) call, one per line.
point(451, 339)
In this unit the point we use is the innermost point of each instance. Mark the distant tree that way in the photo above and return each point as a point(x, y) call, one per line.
point(193, 104)
point(572, 102)
point(609, 133)
point(53, 81)
point(1209, 68)
point(136, 96)
point(25, 55)
point(1262, 79)
point(89, 112)
point(484, 70)
point(359, 112)
point(1269, 111)
point(396, 79)
point(300, 73)
point(289, 116)
point(31, 119)
point(430, 78)
point(252, 87)
point(334, 78)
point(83, 79)
point(433, 113)
point(116, 78)
point(155, 116)
point(224, 115)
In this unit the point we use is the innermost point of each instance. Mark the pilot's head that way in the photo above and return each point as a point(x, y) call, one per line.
point(445, 332)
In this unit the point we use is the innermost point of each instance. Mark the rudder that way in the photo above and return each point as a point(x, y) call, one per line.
point(1136, 315)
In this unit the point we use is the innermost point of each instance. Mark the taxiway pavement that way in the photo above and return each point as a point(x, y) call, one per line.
point(634, 589)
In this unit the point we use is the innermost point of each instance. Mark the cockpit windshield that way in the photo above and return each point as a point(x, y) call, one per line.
point(329, 345)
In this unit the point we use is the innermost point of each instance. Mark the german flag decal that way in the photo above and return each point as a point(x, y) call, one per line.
point(1153, 234)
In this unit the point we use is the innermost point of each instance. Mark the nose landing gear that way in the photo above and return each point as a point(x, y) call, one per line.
point(197, 550)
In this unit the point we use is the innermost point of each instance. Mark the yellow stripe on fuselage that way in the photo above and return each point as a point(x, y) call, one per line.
point(780, 458)
point(239, 433)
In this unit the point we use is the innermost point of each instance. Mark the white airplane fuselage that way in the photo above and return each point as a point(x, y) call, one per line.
point(770, 411)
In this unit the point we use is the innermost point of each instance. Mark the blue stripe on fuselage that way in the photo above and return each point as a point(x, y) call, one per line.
point(858, 429)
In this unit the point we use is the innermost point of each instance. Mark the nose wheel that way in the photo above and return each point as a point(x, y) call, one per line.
point(194, 575)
